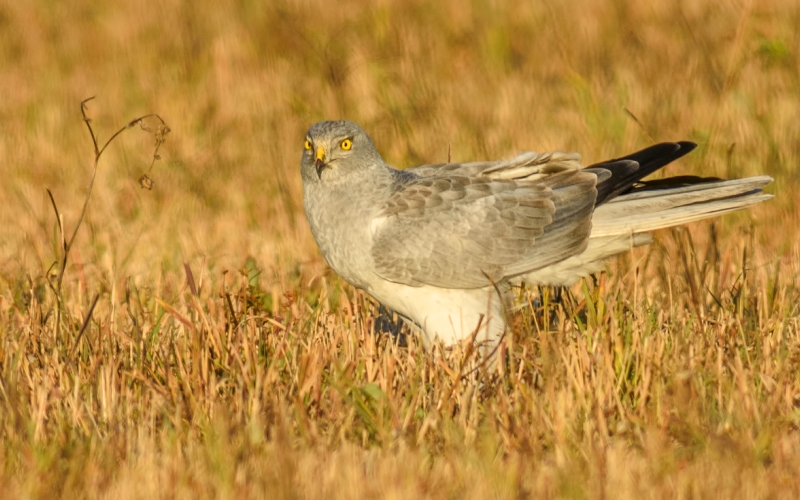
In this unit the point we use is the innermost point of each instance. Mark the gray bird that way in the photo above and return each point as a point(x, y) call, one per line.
point(443, 244)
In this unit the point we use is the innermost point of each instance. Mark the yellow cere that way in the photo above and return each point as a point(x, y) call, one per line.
point(347, 144)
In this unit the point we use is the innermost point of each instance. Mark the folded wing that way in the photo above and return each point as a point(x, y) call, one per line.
point(466, 225)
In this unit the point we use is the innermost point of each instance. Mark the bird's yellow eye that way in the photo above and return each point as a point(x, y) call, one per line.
point(307, 145)
point(347, 144)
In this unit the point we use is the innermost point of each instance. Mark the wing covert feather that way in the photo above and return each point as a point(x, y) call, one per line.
point(460, 225)
point(449, 231)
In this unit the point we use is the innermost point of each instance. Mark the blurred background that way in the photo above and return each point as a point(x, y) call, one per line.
point(239, 83)
point(677, 373)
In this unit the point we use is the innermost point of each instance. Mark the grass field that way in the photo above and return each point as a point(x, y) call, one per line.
point(197, 345)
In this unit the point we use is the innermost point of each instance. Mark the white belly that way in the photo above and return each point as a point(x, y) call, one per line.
point(449, 315)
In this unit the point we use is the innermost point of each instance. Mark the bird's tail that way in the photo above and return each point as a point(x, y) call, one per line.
point(674, 202)
point(625, 221)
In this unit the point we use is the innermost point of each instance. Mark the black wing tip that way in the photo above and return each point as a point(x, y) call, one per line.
point(682, 144)
point(687, 146)
point(648, 160)
point(681, 147)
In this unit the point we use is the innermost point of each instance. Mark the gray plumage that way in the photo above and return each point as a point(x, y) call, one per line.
point(442, 244)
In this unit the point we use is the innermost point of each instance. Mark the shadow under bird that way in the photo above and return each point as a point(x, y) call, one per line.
point(443, 244)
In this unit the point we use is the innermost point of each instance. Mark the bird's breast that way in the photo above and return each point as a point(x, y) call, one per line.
point(340, 223)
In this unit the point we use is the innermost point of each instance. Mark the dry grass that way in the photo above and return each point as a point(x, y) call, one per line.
point(675, 374)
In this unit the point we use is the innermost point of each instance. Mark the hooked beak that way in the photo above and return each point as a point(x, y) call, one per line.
point(319, 163)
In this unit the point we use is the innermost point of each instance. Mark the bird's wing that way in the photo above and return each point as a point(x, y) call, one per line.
point(459, 231)
point(527, 166)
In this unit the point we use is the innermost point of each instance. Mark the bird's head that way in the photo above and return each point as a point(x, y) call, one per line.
point(335, 150)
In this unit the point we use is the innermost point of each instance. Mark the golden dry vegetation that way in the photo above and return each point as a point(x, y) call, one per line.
point(222, 358)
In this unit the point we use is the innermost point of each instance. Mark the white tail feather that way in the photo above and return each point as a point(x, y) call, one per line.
point(644, 211)
point(623, 223)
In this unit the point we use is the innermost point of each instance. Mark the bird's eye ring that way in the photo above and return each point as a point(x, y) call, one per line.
point(307, 145)
point(347, 144)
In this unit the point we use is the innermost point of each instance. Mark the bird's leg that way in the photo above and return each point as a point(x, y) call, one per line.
point(390, 322)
